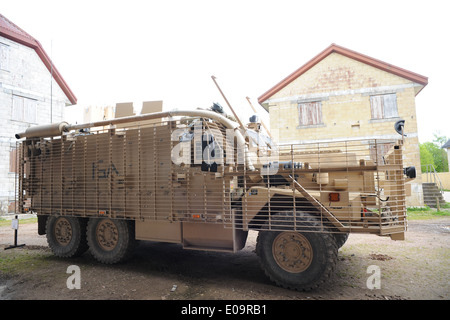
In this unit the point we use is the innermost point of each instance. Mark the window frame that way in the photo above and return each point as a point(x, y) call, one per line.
point(383, 106)
point(24, 109)
point(313, 118)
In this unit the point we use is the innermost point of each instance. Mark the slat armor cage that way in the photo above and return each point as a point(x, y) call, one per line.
point(194, 170)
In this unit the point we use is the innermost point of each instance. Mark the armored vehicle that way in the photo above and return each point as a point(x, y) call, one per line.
point(199, 179)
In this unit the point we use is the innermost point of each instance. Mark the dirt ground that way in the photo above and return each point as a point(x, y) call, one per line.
point(417, 268)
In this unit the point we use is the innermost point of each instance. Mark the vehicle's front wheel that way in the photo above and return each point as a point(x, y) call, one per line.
point(341, 238)
point(110, 240)
point(297, 260)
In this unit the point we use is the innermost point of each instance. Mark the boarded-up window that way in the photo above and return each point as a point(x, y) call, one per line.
point(310, 113)
point(384, 106)
point(4, 57)
point(24, 109)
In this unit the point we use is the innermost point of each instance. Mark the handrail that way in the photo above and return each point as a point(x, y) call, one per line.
point(433, 177)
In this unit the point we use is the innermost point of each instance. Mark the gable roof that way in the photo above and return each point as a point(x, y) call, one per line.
point(417, 78)
point(13, 32)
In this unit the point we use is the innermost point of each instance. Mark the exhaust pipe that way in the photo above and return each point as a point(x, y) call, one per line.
point(56, 129)
point(47, 130)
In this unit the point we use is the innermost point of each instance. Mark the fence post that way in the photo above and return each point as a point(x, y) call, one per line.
point(15, 226)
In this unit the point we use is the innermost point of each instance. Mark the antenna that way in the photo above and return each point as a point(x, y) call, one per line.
point(232, 110)
point(51, 81)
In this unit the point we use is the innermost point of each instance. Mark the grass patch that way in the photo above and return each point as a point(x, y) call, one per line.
point(22, 261)
point(7, 222)
point(424, 213)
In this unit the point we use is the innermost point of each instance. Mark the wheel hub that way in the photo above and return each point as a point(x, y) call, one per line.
point(292, 252)
point(107, 234)
point(63, 231)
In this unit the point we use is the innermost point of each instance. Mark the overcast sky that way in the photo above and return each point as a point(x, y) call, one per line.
point(123, 51)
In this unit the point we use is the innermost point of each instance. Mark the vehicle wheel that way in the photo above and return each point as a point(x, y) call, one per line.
point(110, 240)
point(340, 238)
point(66, 236)
point(297, 260)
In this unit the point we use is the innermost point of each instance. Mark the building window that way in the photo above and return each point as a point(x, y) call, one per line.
point(310, 113)
point(24, 109)
point(384, 106)
point(4, 57)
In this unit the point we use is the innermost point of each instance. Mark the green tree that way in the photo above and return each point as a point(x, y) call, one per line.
point(425, 157)
point(441, 154)
point(438, 155)
point(439, 140)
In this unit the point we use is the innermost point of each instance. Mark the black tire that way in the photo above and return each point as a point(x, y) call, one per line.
point(111, 240)
point(341, 239)
point(66, 236)
point(295, 260)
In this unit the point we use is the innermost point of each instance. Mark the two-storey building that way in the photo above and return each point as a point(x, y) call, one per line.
point(341, 94)
point(32, 92)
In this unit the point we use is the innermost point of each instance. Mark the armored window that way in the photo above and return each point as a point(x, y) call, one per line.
point(384, 106)
point(310, 113)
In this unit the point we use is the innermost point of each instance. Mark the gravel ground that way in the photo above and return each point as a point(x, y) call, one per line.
point(417, 268)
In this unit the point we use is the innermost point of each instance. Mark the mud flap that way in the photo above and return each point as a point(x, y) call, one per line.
point(42, 221)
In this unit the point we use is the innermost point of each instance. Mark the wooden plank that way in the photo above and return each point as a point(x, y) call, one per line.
point(376, 107)
point(390, 105)
point(310, 113)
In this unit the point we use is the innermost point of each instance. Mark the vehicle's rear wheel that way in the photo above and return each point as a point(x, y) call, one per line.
point(110, 240)
point(66, 236)
point(297, 260)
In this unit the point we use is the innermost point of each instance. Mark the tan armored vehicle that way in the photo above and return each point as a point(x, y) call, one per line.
point(199, 179)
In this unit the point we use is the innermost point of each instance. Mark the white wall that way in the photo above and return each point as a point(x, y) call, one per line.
point(23, 75)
